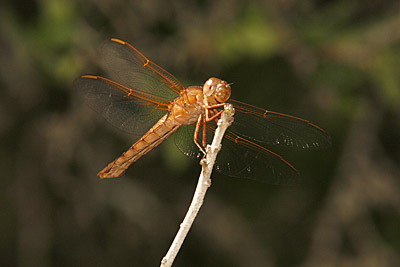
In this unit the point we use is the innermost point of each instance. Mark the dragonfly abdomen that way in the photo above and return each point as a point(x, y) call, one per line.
point(155, 136)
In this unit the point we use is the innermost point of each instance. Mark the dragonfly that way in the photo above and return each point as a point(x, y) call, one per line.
point(145, 100)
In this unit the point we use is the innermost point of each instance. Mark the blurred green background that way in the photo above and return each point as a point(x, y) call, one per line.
point(335, 63)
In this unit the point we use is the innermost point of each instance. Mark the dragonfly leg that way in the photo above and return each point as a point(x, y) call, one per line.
point(217, 105)
point(196, 132)
point(204, 134)
point(211, 109)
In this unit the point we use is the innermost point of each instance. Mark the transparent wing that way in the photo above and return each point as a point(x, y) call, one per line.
point(127, 109)
point(240, 157)
point(126, 65)
point(274, 128)
point(138, 93)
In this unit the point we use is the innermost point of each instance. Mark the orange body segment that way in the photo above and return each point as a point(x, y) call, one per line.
point(155, 136)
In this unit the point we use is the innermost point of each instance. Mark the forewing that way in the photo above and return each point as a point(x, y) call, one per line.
point(138, 93)
point(274, 128)
point(129, 67)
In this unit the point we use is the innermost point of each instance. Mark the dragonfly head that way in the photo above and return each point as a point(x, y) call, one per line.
point(216, 90)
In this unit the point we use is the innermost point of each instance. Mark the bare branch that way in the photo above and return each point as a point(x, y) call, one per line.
point(203, 184)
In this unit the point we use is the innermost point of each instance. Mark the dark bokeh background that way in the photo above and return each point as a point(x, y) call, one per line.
point(335, 63)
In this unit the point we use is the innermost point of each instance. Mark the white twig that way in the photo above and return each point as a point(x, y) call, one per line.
point(203, 184)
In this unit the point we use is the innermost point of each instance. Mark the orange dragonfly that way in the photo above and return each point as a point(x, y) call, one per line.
point(144, 99)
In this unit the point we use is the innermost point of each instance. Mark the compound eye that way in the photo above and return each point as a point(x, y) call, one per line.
point(209, 86)
point(223, 92)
